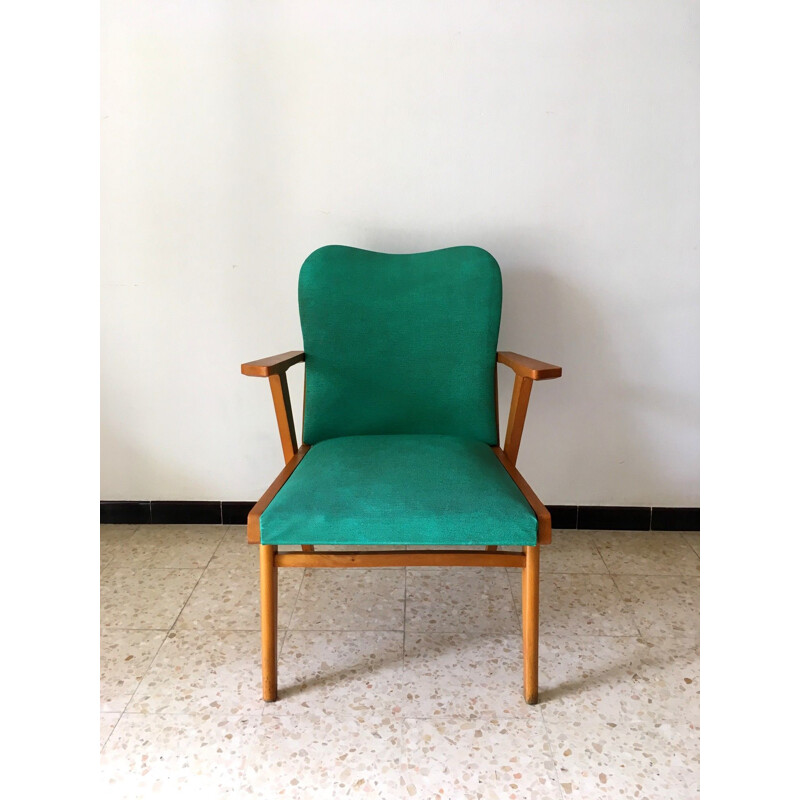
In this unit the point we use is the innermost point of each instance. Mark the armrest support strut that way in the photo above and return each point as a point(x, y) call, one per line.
point(527, 370)
point(275, 368)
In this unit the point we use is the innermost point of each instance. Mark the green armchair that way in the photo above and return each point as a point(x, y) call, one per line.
point(400, 440)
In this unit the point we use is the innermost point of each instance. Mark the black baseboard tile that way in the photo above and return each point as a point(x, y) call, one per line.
point(188, 512)
point(565, 517)
point(675, 519)
point(124, 512)
point(225, 512)
point(614, 518)
point(235, 513)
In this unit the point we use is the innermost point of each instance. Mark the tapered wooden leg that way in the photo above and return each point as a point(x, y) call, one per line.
point(530, 624)
point(269, 623)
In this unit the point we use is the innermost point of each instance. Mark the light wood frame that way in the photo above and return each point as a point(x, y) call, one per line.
point(526, 371)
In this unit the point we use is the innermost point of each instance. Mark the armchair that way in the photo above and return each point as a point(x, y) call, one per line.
point(400, 442)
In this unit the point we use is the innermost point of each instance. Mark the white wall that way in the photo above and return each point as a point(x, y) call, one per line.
point(561, 135)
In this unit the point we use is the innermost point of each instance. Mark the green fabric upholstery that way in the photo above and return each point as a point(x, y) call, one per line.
point(399, 490)
point(400, 344)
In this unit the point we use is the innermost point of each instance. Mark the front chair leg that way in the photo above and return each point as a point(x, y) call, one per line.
point(269, 623)
point(530, 624)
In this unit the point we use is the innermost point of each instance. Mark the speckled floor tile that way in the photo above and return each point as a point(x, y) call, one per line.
point(113, 539)
point(379, 703)
point(597, 758)
point(350, 599)
point(177, 755)
point(234, 551)
point(580, 605)
point(327, 757)
point(662, 605)
point(124, 657)
point(110, 533)
point(572, 666)
point(205, 756)
point(506, 759)
point(228, 598)
point(170, 546)
point(346, 672)
point(144, 598)
point(620, 679)
point(571, 551)
point(108, 719)
point(670, 677)
point(647, 553)
point(463, 674)
point(203, 671)
point(459, 599)
point(693, 537)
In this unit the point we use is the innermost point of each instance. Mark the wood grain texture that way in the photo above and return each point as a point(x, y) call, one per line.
point(283, 414)
point(401, 558)
point(517, 412)
point(529, 367)
point(530, 625)
point(254, 517)
point(273, 365)
point(269, 623)
point(544, 533)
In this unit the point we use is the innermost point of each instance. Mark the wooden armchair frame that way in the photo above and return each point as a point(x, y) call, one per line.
point(527, 370)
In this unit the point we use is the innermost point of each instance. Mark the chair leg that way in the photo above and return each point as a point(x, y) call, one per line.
point(269, 623)
point(530, 624)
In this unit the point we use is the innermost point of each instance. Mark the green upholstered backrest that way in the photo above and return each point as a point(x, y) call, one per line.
point(400, 344)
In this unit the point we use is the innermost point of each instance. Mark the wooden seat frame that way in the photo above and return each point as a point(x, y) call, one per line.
point(526, 371)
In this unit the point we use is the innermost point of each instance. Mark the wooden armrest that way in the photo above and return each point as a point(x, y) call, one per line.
point(275, 368)
point(274, 365)
point(529, 367)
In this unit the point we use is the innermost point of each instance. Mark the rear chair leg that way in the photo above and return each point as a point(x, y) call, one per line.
point(530, 624)
point(269, 623)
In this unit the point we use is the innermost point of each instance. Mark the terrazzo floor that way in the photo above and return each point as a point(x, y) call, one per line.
point(398, 682)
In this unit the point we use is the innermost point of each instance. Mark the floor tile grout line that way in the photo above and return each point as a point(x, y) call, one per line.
point(285, 631)
point(451, 632)
point(166, 631)
point(294, 607)
point(405, 604)
point(111, 732)
point(511, 589)
point(691, 544)
point(626, 604)
point(291, 613)
point(551, 746)
point(543, 573)
point(171, 629)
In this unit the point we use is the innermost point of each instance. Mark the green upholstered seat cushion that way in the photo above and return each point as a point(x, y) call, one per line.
point(399, 490)
point(400, 343)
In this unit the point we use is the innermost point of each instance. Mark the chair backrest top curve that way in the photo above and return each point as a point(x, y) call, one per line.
point(400, 343)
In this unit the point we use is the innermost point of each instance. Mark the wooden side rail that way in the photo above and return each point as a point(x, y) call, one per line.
point(401, 558)
point(254, 516)
point(544, 534)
